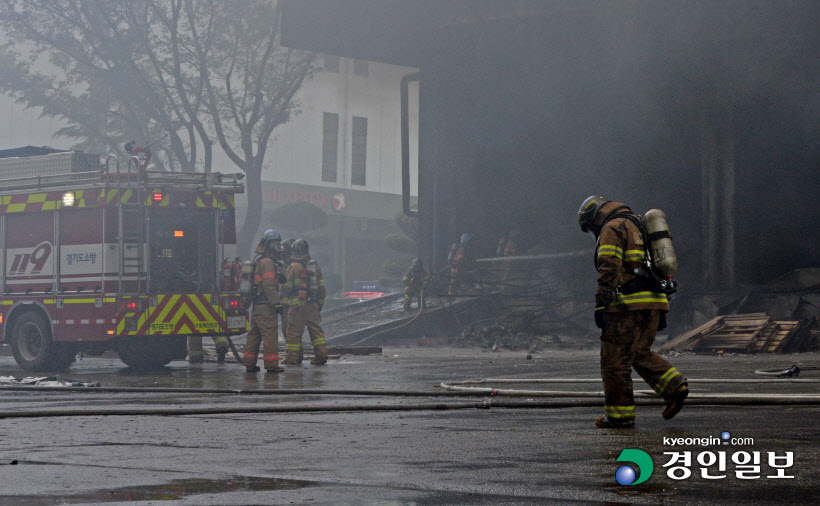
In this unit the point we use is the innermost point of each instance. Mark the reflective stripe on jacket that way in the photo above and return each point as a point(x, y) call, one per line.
point(620, 251)
point(266, 280)
point(295, 289)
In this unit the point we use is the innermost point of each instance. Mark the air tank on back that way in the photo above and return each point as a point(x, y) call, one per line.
point(664, 260)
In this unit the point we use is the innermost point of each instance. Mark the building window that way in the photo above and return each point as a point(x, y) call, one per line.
point(359, 153)
point(360, 67)
point(330, 143)
point(332, 63)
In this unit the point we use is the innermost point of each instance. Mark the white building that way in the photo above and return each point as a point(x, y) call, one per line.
point(342, 153)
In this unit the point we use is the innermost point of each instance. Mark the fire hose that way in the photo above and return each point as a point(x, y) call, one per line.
point(234, 351)
point(791, 372)
point(559, 399)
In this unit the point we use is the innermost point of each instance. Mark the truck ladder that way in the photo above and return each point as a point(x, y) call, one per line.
point(134, 238)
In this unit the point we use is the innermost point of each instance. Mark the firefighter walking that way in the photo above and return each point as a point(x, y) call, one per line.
point(304, 292)
point(266, 301)
point(462, 267)
point(414, 281)
point(629, 308)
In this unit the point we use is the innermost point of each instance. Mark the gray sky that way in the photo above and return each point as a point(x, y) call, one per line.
point(20, 127)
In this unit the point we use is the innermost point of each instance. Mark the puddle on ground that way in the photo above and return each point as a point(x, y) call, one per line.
point(172, 491)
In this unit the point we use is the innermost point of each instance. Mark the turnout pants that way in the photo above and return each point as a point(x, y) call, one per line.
point(195, 353)
point(411, 293)
point(285, 309)
point(264, 331)
point(626, 343)
point(299, 317)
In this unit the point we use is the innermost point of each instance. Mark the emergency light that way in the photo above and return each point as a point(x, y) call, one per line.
point(68, 199)
point(131, 306)
point(157, 197)
point(232, 303)
point(179, 233)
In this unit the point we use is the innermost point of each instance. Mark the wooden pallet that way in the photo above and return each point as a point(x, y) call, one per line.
point(746, 333)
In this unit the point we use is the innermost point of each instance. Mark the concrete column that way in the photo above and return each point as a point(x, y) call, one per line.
point(709, 196)
point(728, 213)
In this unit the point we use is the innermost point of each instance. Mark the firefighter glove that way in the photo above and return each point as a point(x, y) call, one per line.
point(662, 322)
point(600, 318)
point(277, 308)
point(281, 278)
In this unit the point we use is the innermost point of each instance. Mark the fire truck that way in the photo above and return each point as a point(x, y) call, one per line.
point(106, 259)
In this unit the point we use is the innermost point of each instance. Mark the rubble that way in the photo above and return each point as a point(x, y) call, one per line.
point(522, 330)
point(748, 333)
point(50, 381)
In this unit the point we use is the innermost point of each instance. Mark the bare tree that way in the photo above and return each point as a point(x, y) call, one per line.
point(100, 84)
point(250, 81)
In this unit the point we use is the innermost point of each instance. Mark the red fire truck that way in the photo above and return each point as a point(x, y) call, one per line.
point(99, 260)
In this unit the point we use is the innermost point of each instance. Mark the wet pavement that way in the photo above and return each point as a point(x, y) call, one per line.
point(471, 456)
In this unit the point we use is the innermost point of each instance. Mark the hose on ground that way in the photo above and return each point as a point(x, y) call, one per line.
point(598, 380)
point(249, 392)
point(421, 309)
point(234, 351)
point(750, 399)
point(743, 400)
point(451, 388)
point(791, 372)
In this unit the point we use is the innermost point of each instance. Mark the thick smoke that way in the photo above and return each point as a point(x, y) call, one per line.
point(524, 117)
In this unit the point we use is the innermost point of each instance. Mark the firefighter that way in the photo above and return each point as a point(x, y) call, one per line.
point(287, 251)
point(197, 356)
point(286, 255)
point(304, 292)
point(508, 245)
point(266, 301)
point(414, 281)
point(629, 308)
point(462, 266)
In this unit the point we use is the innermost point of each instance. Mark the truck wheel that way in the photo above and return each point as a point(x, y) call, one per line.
point(33, 347)
point(147, 354)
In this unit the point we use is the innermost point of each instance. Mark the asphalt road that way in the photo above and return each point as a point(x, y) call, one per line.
point(471, 456)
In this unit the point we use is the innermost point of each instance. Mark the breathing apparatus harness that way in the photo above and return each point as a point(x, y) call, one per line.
point(308, 282)
point(645, 277)
point(257, 295)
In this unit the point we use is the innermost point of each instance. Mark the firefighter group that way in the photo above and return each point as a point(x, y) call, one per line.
point(286, 283)
point(635, 263)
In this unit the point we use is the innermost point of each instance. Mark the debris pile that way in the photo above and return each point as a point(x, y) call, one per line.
point(748, 333)
point(519, 330)
point(50, 381)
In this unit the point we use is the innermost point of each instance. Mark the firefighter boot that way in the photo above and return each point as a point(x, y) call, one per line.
point(319, 352)
point(674, 401)
point(275, 369)
point(317, 338)
point(252, 368)
point(195, 353)
point(221, 345)
point(605, 423)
